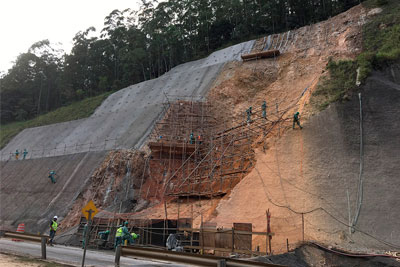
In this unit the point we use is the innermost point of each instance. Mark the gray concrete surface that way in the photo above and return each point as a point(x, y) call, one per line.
point(333, 153)
point(126, 117)
point(74, 149)
point(27, 195)
point(73, 255)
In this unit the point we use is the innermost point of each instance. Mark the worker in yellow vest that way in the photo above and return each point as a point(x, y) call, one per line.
point(53, 229)
point(118, 236)
point(133, 238)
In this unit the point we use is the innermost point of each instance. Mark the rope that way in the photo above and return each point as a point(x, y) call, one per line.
point(360, 179)
point(319, 209)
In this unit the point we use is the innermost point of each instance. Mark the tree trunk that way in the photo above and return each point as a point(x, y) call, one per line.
point(40, 96)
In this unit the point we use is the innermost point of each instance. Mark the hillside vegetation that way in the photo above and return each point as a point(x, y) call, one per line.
point(381, 46)
point(134, 46)
point(77, 110)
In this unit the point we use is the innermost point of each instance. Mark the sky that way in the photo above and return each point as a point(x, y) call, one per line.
point(24, 22)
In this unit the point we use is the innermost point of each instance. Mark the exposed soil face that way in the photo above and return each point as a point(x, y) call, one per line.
point(309, 172)
point(114, 186)
point(315, 172)
point(308, 179)
point(282, 80)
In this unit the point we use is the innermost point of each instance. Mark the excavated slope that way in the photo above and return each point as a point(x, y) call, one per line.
point(316, 171)
point(311, 172)
point(75, 149)
point(126, 117)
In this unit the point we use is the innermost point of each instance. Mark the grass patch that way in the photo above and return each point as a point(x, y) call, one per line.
point(336, 86)
point(381, 37)
point(381, 47)
point(77, 110)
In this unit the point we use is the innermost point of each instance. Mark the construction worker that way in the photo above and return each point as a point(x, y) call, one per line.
point(172, 242)
point(52, 177)
point(199, 139)
point(118, 236)
point(104, 238)
point(192, 139)
point(126, 236)
point(84, 234)
point(249, 112)
point(53, 229)
point(25, 153)
point(134, 236)
point(264, 109)
point(296, 119)
point(16, 154)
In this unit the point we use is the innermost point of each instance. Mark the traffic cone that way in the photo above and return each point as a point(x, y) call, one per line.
point(20, 229)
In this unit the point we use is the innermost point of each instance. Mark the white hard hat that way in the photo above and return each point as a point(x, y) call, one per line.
point(55, 217)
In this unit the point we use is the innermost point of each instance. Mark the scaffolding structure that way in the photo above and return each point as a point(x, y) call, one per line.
point(197, 153)
point(193, 154)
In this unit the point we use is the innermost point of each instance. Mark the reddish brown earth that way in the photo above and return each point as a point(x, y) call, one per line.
point(289, 177)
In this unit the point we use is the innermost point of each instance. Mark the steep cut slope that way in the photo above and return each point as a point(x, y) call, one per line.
point(126, 117)
point(314, 173)
point(122, 121)
point(305, 176)
point(27, 195)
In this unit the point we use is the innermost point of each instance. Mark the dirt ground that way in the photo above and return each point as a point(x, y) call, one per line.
point(7, 260)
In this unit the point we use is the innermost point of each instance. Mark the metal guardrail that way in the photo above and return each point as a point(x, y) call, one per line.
point(182, 257)
point(42, 239)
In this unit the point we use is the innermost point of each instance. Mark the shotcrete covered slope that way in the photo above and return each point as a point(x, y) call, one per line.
point(122, 121)
point(311, 171)
point(127, 116)
point(27, 195)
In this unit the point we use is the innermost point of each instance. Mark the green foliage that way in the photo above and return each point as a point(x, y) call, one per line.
point(381, 37)
point(365, 63)
point(342, 78)
point(375, 3)
point(381, 46)
point(76, 110)
point(141, 45)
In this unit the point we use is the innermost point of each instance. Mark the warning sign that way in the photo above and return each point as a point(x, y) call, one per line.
point(89, 210)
